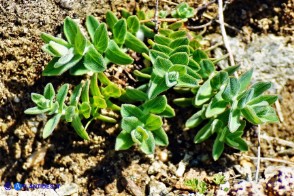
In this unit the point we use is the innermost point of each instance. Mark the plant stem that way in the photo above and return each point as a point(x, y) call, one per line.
point(142, 75)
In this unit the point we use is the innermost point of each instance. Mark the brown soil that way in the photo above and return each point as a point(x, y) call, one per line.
point(93, 165)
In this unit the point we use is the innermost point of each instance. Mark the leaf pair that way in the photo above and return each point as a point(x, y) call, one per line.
point(141, 126)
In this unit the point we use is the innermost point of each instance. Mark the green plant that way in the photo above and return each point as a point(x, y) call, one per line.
point(219, 179)
point(183, 10)
point(143, 125)
point(196, 185)
point(174, 60)
point(86, 102)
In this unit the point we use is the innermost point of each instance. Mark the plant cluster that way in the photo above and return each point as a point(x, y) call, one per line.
point(173, 59)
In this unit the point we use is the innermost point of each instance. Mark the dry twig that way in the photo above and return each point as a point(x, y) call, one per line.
point(278, 140)
point(223, 31)
point(266, 159)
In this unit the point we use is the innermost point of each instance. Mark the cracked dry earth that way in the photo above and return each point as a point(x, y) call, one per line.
point(93, 167)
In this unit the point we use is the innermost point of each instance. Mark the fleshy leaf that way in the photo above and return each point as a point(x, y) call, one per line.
point(135, 44)
point(123, 141)
point(148, 145)
point(120, 31)
point(160, 137)
point(116, 55)
point(231, 89)
point(93, 60)
point(70, 30)
point(153, 122)
point(156, 105)
point(245, 79)
point(101, 38)
point(133, 24)
point(91, 24)
point(51, 125)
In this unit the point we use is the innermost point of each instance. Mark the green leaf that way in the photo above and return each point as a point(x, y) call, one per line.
point(101, 38)
point(179, 42)
point(51, 125)
point(234, 120)
point(49, 92)
point(206, 68)
point(133, 24)
point(245, 98)
point(250, 115)
point(123, 141)
point(36, 110)
point(204, 133)
point(162, 48)
point(111, 19)
point(219, 79)
point(148, 145)
point(47, 38)
point(180, 33)
point(148, 32)
point(79, 69)
point(50, 70)
point(61, 95)
point(130, 123)
point(85, 92)
point(70, 29)
point(155, 105)
point(92, 24)
point(169, 112)
point(231, 69)
point(75, 96)
point(65, 58)
point(199, 55)
point(153, 122)
point(125, 13)
point(269, 116)
point(79, 128)
point(135, 44)
point(40, 100)
point(215, 107)
point(85, 109)
point(57, 49)
point(204, 93)
point(195, 119)
point(187, 81)
point(154, 54)
point(260, 87)
point(112, 90)
point(218, 148)
point(162, 40)
point(93, 60)
point(175, 26)
point(161, 66)
point(165, 32)
point(184, 49)
point(116, 55)
point(181, 58)
point(80, 43)
point(171, 78)
point(245, 79)
point(136, 95)
point(231, 89)
point(69, 113)
point(160, 137)
point(157, 86)
point(128, 110)
point(120, 31)
point(268, 98)
point(99, 102)
point(139, 135)
point(94, 89)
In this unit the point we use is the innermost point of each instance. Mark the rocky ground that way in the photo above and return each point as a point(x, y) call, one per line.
point(261, 37)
